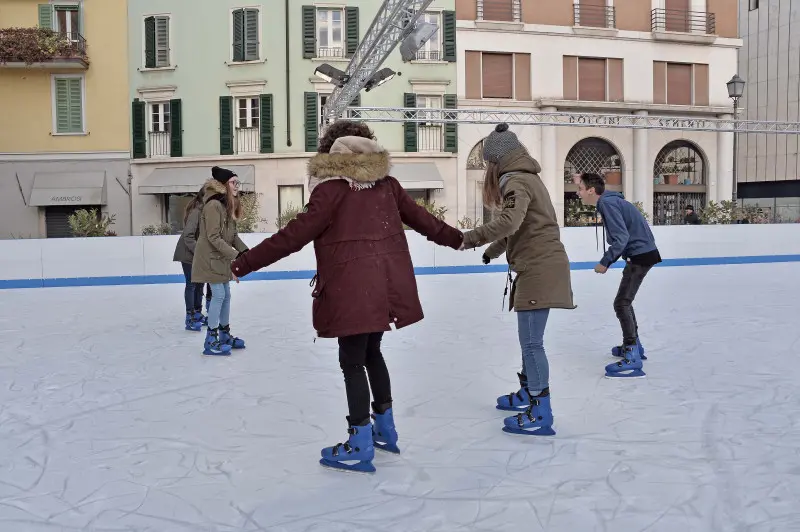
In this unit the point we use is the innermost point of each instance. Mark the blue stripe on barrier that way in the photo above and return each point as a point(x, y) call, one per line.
point(122, 280)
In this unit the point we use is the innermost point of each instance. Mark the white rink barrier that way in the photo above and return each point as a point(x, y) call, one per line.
point(37, 263)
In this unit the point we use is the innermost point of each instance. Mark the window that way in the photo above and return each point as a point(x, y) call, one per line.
point(68, 104)
point(248, 112)
point(175, 206)
point(290, 199)
point(323, 99)
point(245, 35)
point(499, 10)
point(156, 42)
point(680, 83)
point(67, 21)
point(159, 129)
point(330, 28)
point(159, 117)
point(498, 75)
point(753, 5)
point(247, 125)
point(593, 79)
point(430, 134)
point(421, 194)
point(432, 50)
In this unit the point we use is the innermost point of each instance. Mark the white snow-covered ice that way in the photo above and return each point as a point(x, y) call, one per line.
point(112, 420)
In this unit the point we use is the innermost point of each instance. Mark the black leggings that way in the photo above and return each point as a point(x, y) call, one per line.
point(632, 277)
point(193, 292)
point(356, 353)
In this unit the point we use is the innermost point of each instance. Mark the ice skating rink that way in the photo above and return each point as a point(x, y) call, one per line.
point(112, 420)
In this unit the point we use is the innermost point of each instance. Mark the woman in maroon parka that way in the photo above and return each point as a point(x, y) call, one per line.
point(365, 278)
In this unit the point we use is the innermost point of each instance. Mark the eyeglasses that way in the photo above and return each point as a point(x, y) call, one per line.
point(235, 183)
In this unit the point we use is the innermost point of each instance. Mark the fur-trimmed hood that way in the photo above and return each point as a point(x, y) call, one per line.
point(359, 161)
point(212, 188)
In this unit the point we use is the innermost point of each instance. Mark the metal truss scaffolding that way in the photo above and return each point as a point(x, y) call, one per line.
point(573, 119)
point(395, 20)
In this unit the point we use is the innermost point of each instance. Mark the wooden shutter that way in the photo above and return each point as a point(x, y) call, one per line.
point(592, 13)
point(677, 15)
point(410, 128)
point(251, 43)
point(238, 35)
point(450, 129)
point(162, 42)
point(175, 128)
point(309, 32)
point(700, 85)
point(497, 72)
point(522, 77)
point(659, 82)
point(351, 30)
point(75, 105)
point(312, 121)
point(69, 105)
point(570, 77)
point(616, 80)
point(150, 42)
point(472, 74)
point(62, 106)
point(679, 84)
point(501, 10)
point(226, 125)
point(46, 16)
point(592, 79)
point(139, 129)
point(267, 124)
point(448, 36)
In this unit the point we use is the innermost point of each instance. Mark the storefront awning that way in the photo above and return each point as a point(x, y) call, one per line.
point(417, 176)
point(68, 188)
point(189, 179)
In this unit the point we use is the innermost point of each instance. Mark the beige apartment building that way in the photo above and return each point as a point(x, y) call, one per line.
point(642, 57)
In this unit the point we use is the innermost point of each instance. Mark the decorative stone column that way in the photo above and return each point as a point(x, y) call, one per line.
point(720, 184)
point(640, 187)
point(550, 166)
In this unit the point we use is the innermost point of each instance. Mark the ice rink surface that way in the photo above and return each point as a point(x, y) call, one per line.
point(112, 420)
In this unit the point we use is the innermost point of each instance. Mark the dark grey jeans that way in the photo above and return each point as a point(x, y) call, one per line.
point(632, 277)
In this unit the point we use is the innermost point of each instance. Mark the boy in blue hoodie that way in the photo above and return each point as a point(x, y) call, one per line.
point(629, 238)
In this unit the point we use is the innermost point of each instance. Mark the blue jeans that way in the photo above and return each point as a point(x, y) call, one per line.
point(531, 325)
point(219, 310)
point(192, 292)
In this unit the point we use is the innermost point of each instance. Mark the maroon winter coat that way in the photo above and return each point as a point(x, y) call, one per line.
point(355, 216)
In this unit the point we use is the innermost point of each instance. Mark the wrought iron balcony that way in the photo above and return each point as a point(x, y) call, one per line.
point(594, 16)
point(42, 48)
point(683, 21)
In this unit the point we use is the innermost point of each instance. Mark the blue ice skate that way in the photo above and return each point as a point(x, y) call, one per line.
point(619, 350)
point(192, 324)
point(516, 401)
point(537, 420)
point(358, 448)
point(384, 434)
point(226, 338)
point(213, 346)
point(629, 367)
point(198, 317)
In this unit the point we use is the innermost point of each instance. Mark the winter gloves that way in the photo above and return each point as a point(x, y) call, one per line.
point(486, 259)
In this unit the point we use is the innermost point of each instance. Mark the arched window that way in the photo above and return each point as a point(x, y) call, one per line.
point(475, 160)
point(590, 155)
point(679, 179)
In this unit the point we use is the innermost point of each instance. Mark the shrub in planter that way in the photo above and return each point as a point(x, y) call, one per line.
point(157, 229)
point(85, 223)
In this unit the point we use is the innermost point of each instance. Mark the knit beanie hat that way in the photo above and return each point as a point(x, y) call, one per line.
point(500, 142)
point(221, 174)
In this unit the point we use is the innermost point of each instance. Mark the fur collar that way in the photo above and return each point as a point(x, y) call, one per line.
point(360, 170)
point(212, 188)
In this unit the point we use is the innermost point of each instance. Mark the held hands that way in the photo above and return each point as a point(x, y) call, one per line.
point(599, 268)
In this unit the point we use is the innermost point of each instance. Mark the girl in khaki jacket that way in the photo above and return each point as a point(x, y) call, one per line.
point(527, 230)
point(218, 244)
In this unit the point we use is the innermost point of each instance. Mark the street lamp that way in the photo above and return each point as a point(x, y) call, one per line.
point(735, 91)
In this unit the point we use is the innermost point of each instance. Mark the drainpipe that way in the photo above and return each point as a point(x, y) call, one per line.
point(288, 84)
point(130, 198)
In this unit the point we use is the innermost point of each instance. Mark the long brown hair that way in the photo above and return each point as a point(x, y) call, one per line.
point(491, 186)
point(233, 204)
point(197, 201)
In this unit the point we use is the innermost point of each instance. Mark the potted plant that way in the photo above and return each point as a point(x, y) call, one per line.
point(613, 173)
point(670, 171)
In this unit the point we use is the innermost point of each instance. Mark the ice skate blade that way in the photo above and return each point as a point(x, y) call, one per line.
point(620, 356)
point(360, 467)
point(520, 408)
point(634, 374)
point(386, 447)
point(213, 354)
point(541, 431)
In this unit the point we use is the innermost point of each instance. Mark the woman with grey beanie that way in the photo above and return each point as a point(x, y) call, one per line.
point(527, 231)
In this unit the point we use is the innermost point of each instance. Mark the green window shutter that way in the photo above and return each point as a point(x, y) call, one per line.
point(309, 32)
point(312, 121)
point(450, 129)
point(238, 35)
point(410, 128)
point(150, 42)
point(355, 102)
point(351, 29)
point(175, 128)
point(46, 16)
point(267, 124)
point(251, 35)
point(139, 126)
point(75, 105)
point(449, 35)
point(62, 106)
point(226, 125)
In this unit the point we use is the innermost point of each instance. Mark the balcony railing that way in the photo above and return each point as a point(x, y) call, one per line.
point(159, 143)
point(683, 21)
point(595, 16)
point(29, 46)
point(429, 55)
point(248, 140)
point(430, 137)
point(330, 51)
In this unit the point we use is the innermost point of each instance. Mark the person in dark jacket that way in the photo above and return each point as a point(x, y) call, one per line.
point(629, 237)
point(690, 217)
point(184, 253)
point(365, 278)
